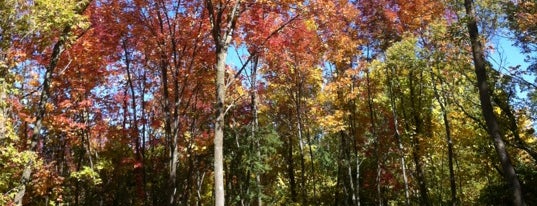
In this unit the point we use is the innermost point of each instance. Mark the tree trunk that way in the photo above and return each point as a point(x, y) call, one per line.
point(291, 168)
point(57, 50)
point(222, 39)
point(486, 107)
point(338, 181)
point(167, 129)
point(357, 190)
point(298, 109)
point(452, 183)
point(443, 102)
point(351, 106)
point(255, 122)
point(513, 126)
point(139, 172)
point(398, 138)
point(415, 102)
point(375, 137)
point(219, 127)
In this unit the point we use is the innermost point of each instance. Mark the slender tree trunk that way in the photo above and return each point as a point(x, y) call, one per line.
point(357, 161)
point(199, 187)
point(419, 171)
point(135, 132)
point(376, 139)
point(291, 169)
point(452, 182)
point(308, 136)
point(338, 181)
point(167, 129)
point(302, 163)
point(298, 109)
point(403, 165)
point(415, 102)
point(343, 173)
point(398, 138)
point(358, 164)
point(144, 118)
point(221, 54)
point(254, 128)
point(57, 50)
point(443, 107)
point(352, 190)
point(486, 107)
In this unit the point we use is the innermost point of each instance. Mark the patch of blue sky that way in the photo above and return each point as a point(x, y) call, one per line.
point(236, 58)
point(506, 56)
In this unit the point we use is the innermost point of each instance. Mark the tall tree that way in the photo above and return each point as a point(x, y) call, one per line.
point(57, 50)
point(223, 17)
point(493, 129)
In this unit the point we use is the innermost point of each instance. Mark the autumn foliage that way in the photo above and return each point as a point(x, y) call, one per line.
point(323, 102)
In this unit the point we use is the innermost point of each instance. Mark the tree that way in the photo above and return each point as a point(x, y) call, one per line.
point(317, 102)
point(222, 33)
point(493, 129)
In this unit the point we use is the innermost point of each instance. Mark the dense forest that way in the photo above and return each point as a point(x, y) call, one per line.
point(268, 102)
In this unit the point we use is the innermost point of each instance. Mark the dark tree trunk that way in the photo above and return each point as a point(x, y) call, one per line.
point(373, 130)
point(493, 129)
point(55, 57)
point(291, 169)
point(415, 102)
point(397, 136)
point(443, 102)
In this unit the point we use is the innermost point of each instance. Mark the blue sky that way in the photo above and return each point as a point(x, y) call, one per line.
point(506, 52)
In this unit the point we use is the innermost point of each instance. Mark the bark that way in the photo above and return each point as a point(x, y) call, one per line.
point(358, 164)
point(167, 127)
point(312, 164)
point(424, 196)
point(219, 129)
point(222, 41)
point(443, 102)
point(453, 185)
point(338, 181)
point(298, 109)
point(493, 129)
point(415, 102)
point(168, 131)
point(57, 50)
point(254, 127)
point(513, 126)
point(351, 193)
point(375, 137)
point(356, 153)
point(139, 172)
point(344, 175)
point(291, 169)
point(397, 136)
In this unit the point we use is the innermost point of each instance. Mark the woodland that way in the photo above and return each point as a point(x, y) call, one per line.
point(268, 102)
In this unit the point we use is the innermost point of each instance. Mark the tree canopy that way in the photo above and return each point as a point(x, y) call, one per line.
point(241, 102)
